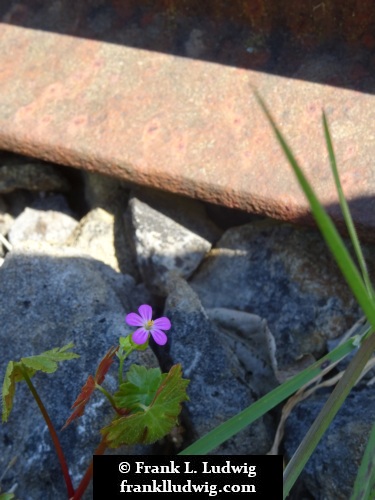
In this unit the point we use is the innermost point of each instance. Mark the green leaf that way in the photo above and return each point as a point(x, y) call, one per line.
point(7, 496)
point(345, 210)
point(327, 414)
point(46, 362)
point(13, 374)
point(9, 388)
point(359, 285)
point(155, 420)
point(139, 388)
point(327, 228)
point(238, 422)
point(364, 486)
point(127, 344)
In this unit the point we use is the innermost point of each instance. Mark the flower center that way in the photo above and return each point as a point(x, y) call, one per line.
point(148, 325)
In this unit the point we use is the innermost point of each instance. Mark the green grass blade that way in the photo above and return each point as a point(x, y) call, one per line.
point(364, 486)
point(364, 298)
point(235, 424)
point(345, 210)
point(327, 228)
point(327, 414)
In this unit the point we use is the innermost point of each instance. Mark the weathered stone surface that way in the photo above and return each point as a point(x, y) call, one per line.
point(50, 226)
point(218, 386)
point(112, 195)
point(246, 336)
point(24, 173)
point(169, 233)
point(50, 297)
point(286, 276)
point(6, 219)
point(331, 471)
point(94, 235)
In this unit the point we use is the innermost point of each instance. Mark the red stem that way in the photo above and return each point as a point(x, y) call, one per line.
point(55, 439)
point(85, 481)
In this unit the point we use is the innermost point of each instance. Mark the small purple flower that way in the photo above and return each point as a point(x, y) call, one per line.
point(147, 326)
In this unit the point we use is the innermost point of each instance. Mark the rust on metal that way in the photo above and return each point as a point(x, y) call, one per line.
point(161, 94)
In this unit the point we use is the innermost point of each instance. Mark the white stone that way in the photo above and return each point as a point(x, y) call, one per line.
point(49, 226)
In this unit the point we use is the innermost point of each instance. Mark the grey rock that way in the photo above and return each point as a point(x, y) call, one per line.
point(24, 173)
point(218, 387)
point(358, 329)
point(112, 195)
point(169, 234)
point(5, 246)
point(140, 295)
point(39, 225)
point(50, 297)
point(6, 221)
point(131, 295)
point(284, 275)
point(124, 246)
point(331, 470)
point(247, 336)
point(94, 235)
point(194, 46)
point(5, 218)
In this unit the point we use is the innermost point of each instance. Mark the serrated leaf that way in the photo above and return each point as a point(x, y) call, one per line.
point(40, 363)
point(13, 374)
point(105, 364)
point(90, 385)
point(9, 388)
point(46, 362)
point(139, 388)
point(157, 420)
point(82, 400)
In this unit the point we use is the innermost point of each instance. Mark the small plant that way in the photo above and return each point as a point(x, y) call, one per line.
point(146, 404)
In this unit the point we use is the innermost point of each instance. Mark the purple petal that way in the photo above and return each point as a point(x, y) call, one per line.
point(133, 319)
point(140, 336)
point(159, 336)
point(162, 323)
point(145, 311)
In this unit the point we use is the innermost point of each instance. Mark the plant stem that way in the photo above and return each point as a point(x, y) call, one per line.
point(55, 439)
point(121, 365)
point(108, 396)
point(85, 481)
point(120, 369)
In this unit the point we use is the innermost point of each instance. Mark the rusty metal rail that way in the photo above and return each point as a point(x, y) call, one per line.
point(161, 94)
